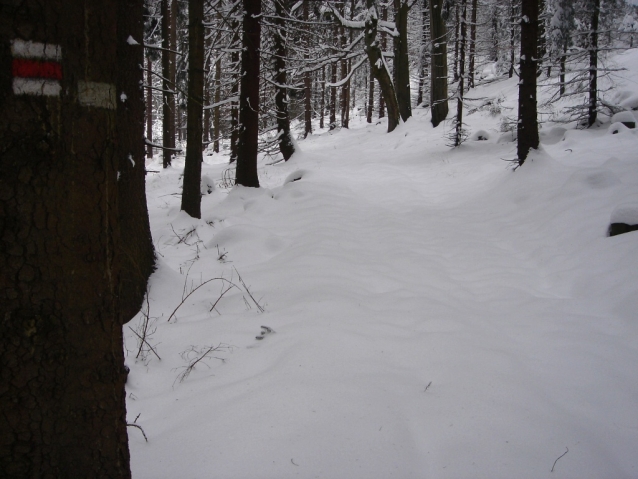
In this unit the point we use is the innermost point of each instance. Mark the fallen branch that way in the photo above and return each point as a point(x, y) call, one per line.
point(566, 451)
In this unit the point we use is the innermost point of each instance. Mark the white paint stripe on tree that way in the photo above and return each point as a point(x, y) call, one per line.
point(36, 86)
point(29, 49)
point(94, 94)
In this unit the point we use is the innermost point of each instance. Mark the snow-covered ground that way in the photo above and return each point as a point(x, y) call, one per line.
point(435, 314)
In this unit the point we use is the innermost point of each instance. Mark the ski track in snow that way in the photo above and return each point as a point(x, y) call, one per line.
point(435, 313)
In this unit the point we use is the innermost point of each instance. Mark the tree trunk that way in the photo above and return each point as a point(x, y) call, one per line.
point(323, 96)
point(136, 256)
point(191, 191)
point(438, 78)
point(333, 97)
point(370, 97)
point(234, 108)
point(401, 60)
point(527, 122)
point(62, 377)
point(217, 133)
point(563, 59)
point(149, 107)
point(307, 83)
point(247, 144)
point(379, 69)
point(459, 133)
point(384, 17)
point(592, 112)
point(168, 85)
point(470, 82)
point(542, 35)
point(457, 24)
point(286, 146)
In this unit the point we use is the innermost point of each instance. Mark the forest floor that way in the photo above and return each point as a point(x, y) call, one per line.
point(430, 312)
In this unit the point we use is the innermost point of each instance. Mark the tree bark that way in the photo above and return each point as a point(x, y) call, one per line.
point(470, 81)
point(323, 96)
point(423, 61)
point(458, 134)
point(136, 256)
point(217, 133)
point(527, 121)
point(438, 78)
point(592, 111)
point(384, 17)
point(378, 66)
point(333, 97)
point(62, 378)
point(191, 191)
point(401, 60)
point(286, 145)
point(234, 109)
point(149, 107)
point(457, 24)
point(168, 84)
point(307, 83)
point(246, 174)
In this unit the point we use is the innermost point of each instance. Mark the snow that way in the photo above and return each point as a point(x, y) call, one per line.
point(435, 313)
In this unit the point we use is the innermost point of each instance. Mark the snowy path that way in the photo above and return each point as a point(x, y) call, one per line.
point(436, 315)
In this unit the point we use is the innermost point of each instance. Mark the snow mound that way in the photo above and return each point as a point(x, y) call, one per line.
point(480, 135)
point(207, 185)
point(625, 213)
point(616, 128)
point(245, 243)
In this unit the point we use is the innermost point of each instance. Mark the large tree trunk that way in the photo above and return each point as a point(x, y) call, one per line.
point(307, 84)
point(286, 145)
point(217, 133)
point(149, 107)
point(527, 122)
point(322, 104)
point(458, 134)
point(438, 78)
point(379, 69)
point(168, 84)
point(191, 191)
point(384, 41)
point(234, 108)
point(136, 256)
point(333, 97)
point(592, 112)
point(470, 80)
point(401, 60)
point(247, 144)
point(457, 24)
point(62, 379)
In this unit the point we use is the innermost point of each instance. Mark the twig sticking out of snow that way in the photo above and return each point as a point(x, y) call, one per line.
point(566, 451)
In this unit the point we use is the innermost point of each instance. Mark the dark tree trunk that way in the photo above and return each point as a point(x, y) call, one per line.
point(527, 122)
point(191, 191)
point(470, 80)
point(136, 256)
point(168, 84)
point(561, 77)
point(286, 146)
point(458, 134)
point(322, 104)
point(379, 70)
point(592, 111)
point(62, 379)
point(246, 174)
point(207, 113)
point(401, 60)
point(384, 17)
point(370, 97)
point(149, 107)
point(307, 84)
point(333, 97)
point(217, 133)
point(234, 106)
point(457, 24)
point(438, 77)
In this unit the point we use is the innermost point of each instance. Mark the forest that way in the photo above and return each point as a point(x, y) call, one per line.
point(318, 238)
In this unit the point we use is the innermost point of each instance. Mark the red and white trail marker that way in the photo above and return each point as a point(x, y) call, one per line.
point(36, 68)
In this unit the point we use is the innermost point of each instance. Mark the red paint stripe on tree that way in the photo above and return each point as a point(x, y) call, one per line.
point(24, 68)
